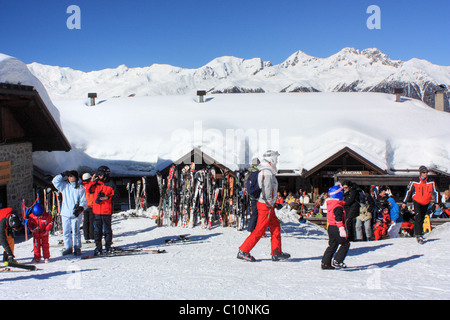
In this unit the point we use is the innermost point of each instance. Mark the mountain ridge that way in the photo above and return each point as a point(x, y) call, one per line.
point(349, 70)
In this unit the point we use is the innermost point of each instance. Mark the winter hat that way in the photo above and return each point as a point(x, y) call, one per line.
point(255, 162)
point(423, 169)
point(73, 173)
point(335, 192)
point(271, 156)
point(86, 176)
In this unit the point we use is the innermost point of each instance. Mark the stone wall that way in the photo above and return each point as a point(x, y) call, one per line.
point(21, 184)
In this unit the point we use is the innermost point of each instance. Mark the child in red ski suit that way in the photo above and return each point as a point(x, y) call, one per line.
point(382, 224)
point(40, 224)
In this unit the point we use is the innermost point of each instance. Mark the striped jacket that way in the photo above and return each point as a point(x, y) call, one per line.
point(422, 191)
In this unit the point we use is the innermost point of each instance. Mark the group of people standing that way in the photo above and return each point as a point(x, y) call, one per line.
point(343, 211)
point(94, 196)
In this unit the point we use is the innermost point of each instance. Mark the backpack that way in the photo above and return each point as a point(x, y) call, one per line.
point(252, 185)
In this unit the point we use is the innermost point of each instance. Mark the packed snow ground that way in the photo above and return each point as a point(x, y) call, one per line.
point(207, 268)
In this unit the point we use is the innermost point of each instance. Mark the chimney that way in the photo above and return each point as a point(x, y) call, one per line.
point(398, 92)
point(201, 95)
point(92, 96)
point(439, 100)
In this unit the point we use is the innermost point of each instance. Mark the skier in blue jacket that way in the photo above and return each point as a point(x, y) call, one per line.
point(396, 218)
point(73, 204)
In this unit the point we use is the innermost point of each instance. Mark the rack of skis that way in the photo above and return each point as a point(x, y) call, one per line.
point(190, 197)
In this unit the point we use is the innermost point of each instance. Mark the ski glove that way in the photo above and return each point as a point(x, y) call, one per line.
point(99, 196)
point(342, 232)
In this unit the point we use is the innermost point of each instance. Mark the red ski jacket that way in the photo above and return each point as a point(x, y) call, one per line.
point(5, 213)
point(335, 212)
point(40, 224)
point(421, 191)
point(102, 207)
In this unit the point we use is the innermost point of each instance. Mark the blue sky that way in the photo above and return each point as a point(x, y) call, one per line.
point(190, 33)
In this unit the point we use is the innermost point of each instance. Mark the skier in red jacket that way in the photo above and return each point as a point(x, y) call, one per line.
point(104, 191)
point(40, 223)
point(382, 225)
point(336, 230)
point(421, 192)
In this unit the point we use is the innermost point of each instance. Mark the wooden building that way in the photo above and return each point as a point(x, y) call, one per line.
point(26, 126)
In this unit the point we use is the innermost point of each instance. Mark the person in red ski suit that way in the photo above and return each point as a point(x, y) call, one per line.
point(382, 225)
point(40, 224)
point(267, 181)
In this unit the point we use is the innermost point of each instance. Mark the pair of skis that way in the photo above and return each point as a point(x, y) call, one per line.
point(140, 194)
point(17, 267)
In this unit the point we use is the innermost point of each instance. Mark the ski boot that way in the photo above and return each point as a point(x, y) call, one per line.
point(77, 252)
point(326, 266)
point(340, 265)
point(67, 251)
point(281, 256)
point(419, 239)
point(98, 248)
point(245, 256)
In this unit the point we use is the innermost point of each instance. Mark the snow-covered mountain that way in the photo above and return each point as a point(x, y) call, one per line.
point(348, 70)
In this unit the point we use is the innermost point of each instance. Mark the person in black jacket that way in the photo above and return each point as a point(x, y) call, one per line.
point(351, 208)
point(9, 221)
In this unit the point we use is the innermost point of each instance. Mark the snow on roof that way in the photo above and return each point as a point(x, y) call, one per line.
point(15, 71)
point(138, 135)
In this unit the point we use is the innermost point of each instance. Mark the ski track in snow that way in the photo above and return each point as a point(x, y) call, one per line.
point(209, 270)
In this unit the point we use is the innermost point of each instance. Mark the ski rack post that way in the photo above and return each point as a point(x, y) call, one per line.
point(25, 212)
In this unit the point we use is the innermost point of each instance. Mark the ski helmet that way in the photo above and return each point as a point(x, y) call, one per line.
point(335, 192)
point(14, 221)
point(37, 209)
point(103, 171)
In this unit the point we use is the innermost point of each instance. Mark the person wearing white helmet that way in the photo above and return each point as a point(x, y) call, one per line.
point(267, 181)
point(88, 216)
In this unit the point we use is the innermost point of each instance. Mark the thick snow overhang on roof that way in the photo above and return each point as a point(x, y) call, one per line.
point(29, 119)
point(306, 128)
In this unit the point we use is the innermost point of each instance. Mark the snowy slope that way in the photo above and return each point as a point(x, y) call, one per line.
point(208, 270)
point(347, 70)
point(136, 135)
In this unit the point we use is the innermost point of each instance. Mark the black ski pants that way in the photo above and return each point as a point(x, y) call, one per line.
point(420, 211)
point(335, 241)
point(102, 225)
point(253, 215)
point(88, 224)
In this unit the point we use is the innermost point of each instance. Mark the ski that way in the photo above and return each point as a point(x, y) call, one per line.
point(30, 267)
point(6, 269)
point(182, 238)
point(118, 252)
